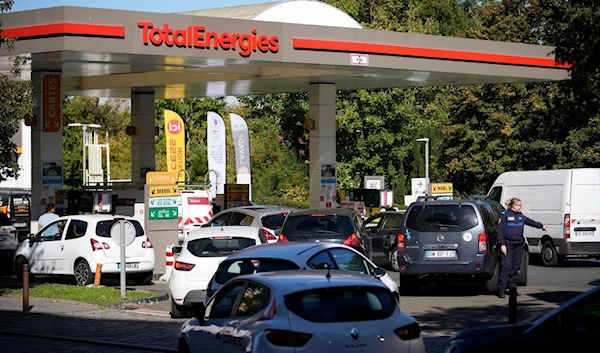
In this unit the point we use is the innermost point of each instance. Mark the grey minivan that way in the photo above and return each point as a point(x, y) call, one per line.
point(440, 241)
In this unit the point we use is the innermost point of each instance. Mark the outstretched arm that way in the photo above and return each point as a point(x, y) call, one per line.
point(530, 222)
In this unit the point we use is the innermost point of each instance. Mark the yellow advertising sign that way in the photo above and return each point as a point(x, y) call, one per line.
point(440, 188)
point(175, 140)
point(161, 178)
point(163, 191)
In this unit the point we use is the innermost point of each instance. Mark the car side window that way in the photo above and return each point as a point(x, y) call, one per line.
point(240, 219)
point(374, 223)
point(358, 225)
point(52, 231)
point(489, 220)
point(321, 261)
point(76, 229)
point(253, 300)
point(392, 222)
point(221, 220)
point(496, 194)
point(347, 260)
point(223, 304)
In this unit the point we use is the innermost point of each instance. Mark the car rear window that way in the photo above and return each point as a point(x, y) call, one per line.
point(233, 268)
point(319, 224)
point(273, 221)
point(218, 246)
point(103, 228)
point(342, 304)
point(441, 218)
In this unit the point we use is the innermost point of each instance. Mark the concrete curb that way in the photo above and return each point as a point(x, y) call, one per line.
point(160, 297)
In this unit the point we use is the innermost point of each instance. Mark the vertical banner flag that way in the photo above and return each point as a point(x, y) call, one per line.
point(241, 143)
point(217, 159)
point(175, 140)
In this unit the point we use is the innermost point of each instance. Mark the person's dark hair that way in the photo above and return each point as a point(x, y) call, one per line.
point(49, 207)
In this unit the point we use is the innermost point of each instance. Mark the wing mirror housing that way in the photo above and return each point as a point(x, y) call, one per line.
point(379, 272)
point(198, 311)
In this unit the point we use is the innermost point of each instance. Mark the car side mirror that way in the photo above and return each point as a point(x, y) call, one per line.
point(205, 225)
point(176, 250)
point(198, 311)
point(379, 272)
point(277, 232)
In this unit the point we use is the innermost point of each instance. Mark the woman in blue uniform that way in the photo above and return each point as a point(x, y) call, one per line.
point(512, 242)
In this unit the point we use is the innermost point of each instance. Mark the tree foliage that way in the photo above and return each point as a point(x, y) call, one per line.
point(16, 101)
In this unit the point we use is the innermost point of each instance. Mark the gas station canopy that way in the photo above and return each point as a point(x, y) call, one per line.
point(244, 50)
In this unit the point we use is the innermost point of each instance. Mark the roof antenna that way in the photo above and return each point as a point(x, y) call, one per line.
point(328, 275)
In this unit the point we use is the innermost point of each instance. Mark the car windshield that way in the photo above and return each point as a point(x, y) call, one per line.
point(319, 224)
point(273, 221)
point(218, 246)
point(441, 218)
point(233, 268)
point(342, 304)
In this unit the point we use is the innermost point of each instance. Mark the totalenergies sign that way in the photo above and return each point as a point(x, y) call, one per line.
point(199, 37)
point(175, 140)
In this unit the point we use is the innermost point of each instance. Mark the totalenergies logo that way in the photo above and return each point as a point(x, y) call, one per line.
point(199, 37)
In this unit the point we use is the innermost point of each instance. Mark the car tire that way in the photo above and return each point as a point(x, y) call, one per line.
point(142, 279)
point(522, 278)
point(393, 258)
point(83, 274)
point(19, 262)
point(409, 285)
point(178, 311)
point(491, 285)
point(549, 254)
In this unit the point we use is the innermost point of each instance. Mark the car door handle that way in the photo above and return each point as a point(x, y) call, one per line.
point(62, 247)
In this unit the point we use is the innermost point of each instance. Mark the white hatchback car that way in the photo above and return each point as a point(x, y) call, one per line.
point(74, 245)
point(301, 311)
point(298, 255)
point(201, 253)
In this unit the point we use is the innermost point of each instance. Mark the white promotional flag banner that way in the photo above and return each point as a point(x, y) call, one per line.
point(241, 144)
point(217, 158)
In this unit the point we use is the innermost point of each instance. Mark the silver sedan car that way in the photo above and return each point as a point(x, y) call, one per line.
point(301, 311)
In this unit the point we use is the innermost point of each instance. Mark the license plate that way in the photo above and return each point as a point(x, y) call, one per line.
point(19, 225)
point(439, 253)
point(585, 233)
point(129, 265)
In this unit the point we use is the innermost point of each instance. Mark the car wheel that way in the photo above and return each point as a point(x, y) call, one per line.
point(394, 260)
point(522, 278)
point(142, 278)
point(178, 311)
point(19, 262)
point(549, 255)
point(83, 273)
point(491, 285)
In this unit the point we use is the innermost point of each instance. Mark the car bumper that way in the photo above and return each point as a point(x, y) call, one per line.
point(186, 292)
point(571, 248)
point(440, 267)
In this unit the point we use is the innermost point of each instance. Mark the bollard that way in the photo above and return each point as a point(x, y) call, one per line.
point(98, 275)
point(512, 306)
point(25, 287)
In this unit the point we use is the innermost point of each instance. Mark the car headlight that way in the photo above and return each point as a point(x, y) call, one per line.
point(452, 346)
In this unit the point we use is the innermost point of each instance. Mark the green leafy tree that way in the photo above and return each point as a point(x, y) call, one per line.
point(16, 102)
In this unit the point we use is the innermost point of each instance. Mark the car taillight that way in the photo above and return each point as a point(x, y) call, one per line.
point(352, 241)
point(409, 332)
point(147, 244)
point(282, 238)
point(567, 226)
point(269, 235)
point(96, 245)
point(482, 242)
point(401, 245)
point(183, 266)
point(287, 338)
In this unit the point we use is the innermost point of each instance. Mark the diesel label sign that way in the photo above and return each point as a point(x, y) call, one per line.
point(199, 37)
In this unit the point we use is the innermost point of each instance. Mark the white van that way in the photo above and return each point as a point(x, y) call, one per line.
point(567, 201)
